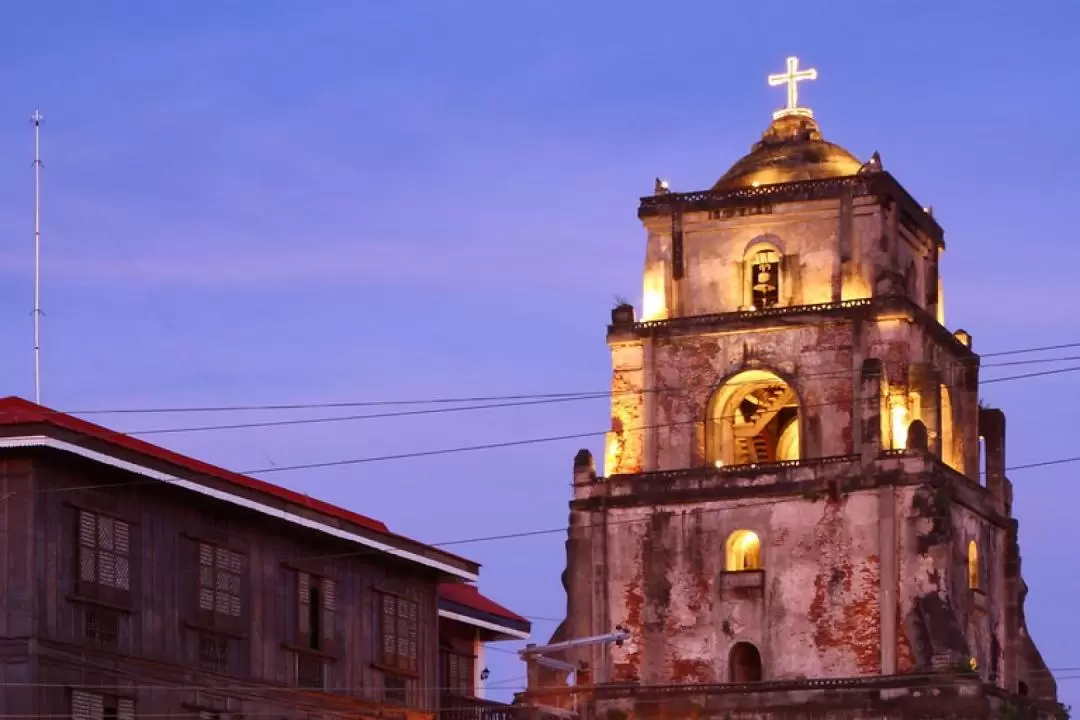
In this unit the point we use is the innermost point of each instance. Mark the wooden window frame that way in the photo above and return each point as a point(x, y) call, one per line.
point(399, 693)
point(211, 708)
point(466, 687)
point(313, 586)
point(100, 706)
point(100, 626)
point(220, 597)
point(103, 545)
point(388, 651)
point(224, 661)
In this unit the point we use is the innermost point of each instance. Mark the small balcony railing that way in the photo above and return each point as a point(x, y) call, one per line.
point(460, 707)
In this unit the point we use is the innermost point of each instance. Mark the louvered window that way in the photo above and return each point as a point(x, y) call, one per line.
point(96, 706)
point(457, 673)
point(316, 608)
point(399, 621)
point(104, 555)
point(219, 590)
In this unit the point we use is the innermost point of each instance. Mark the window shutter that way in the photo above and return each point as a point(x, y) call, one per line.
point(329, 601)
point(122, 543)
point(125, 709)
point(389, 625)
point(403, 656)
point(204, 613)
point(87, 706)
point(414, 611)
point(87, 546)
point(303, 617)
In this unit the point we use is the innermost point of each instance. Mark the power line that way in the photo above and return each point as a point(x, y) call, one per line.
point(519, 443)
point(470, 399)
point(1021, 351)
point(551, 399)
point(555, 438)
point(371, 416)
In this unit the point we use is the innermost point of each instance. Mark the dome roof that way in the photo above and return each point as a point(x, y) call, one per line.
point(791, 149)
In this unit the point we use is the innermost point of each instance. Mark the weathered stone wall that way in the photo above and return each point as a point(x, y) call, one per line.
point(813, 612)
point(662, 386)
point(831, 250)
point(815, 359)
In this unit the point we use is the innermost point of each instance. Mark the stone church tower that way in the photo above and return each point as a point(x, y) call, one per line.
point(793, 513)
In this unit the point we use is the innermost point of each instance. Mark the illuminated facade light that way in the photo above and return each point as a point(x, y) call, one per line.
point(898, 414)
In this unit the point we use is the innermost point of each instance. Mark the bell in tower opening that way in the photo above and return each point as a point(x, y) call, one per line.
point(765, 272)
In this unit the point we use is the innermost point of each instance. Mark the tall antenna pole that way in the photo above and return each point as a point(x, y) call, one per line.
point(36, 119)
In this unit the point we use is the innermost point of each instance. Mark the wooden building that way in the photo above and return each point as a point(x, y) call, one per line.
point(140, 582)
point(467, 622)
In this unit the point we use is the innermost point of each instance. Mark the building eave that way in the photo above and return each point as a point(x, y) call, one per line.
point(45, 441)
point(503, 631)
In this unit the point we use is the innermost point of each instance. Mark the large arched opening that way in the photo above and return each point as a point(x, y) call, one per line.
point(753, 418)
point(744, 663)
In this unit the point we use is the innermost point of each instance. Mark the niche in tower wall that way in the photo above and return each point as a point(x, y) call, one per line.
point(765, 279)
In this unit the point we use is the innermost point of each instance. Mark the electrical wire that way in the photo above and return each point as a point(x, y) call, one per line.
point(514, 404)
point(466, 399)
point(507, 684)
point(530, 533)
point(523, 442)
point(568, 436)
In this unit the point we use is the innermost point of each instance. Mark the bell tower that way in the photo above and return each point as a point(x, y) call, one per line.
point(791, 491)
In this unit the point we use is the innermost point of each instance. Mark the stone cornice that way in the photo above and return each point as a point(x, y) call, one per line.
point(789, 315)
point(878, 184)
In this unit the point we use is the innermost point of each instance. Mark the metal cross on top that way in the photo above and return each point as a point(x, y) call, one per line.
point(791, 78)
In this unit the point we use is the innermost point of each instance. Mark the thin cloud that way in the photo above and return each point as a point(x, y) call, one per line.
point(385, 263)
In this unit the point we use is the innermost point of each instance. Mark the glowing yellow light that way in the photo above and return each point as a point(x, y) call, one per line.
point(755, 184)
point(743, 551)
point(899, 415)
point(973, 664)
point(611, 453)
point(791, 78)
point(855, 288)
point(973, 566)
point(653, 298)
point(719, 463)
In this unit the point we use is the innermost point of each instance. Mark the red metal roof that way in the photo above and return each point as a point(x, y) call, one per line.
point(470, 597)
point(17, 411)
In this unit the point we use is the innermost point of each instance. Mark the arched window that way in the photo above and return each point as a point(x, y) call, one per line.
point(753, 418)
point(743, 551)
point(973, 565)
point(744, 663)
point(763, 276)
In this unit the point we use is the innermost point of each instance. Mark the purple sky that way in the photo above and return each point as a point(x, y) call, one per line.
point(354, 201)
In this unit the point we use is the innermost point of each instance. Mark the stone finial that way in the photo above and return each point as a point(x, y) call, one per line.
point(661, 187)
point(584, 467)
point(873, 165)
point(622, 314)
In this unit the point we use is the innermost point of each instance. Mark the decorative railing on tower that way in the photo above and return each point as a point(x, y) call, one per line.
point(726, 202)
